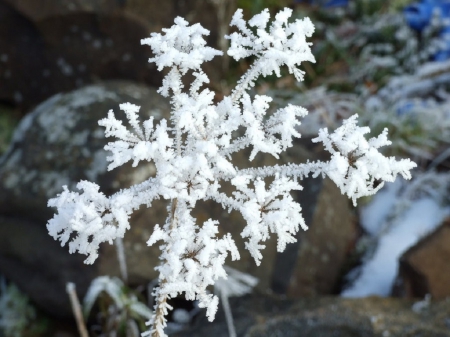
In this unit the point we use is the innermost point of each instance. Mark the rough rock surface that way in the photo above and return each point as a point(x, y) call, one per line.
point(264, 316)
point(58, 144)
point(48, 46)
point(323, 249)
point(37, 265)
point(66, 51)
point(424, 268)
point(150, 12)
point(61, 143)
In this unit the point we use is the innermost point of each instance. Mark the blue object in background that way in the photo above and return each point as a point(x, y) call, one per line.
point(326, 3)
point(405, 108)
point(336, 3)
point(411, 106)
point(444, 54)
point(418, 16)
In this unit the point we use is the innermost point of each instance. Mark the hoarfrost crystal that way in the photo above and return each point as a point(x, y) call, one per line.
point(192, 154)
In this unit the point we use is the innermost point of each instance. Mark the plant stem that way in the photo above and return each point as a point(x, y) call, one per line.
point(228, 314)
point(173, 209)
point(250, 76)
point(121, 258)
point(76, 308)
point(160, 313)
point(161, 300)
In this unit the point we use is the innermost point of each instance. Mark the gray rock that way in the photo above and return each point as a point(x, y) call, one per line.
point(424, 269)
point(60, 46)
point(63, 45)
point(313, 265)
point(60, 143)
point(265, 316)
point(38, 266)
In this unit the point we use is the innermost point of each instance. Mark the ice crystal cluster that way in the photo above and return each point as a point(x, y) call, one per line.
point(192, 154)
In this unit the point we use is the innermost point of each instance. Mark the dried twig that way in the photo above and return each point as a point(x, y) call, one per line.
point(76, 308)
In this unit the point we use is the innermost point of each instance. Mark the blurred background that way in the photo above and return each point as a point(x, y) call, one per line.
point(380, 269)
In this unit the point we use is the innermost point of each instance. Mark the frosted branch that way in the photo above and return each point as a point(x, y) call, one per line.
point(356, 164)
point(191, 152)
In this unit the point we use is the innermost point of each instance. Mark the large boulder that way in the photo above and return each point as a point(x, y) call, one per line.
point(52, 46)
point(424, 268)
point(64, 50)
point(61, 143)
point(44, 9)
point(314, 265)
point(264, 316)
point(58, 144)
point(153, 13)
point(38, 265)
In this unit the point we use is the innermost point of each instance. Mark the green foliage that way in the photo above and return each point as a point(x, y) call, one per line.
point(399, 4)
point(418, 133)
point(256, 6)
point(120, 310)
point(8, 122)
point(18, 318)
point(370, 7)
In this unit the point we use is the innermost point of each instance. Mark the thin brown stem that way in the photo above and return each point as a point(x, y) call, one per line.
point(76, 308)
point(173, 210)
point(160, 313)
point(161, 300)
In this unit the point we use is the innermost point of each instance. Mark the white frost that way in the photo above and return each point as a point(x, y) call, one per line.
point(192, 155)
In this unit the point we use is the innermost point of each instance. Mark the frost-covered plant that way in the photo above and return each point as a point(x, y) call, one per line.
point(415, 108)
point(378, 46)
point(236, 284)
point(325, 108)
point(123, 310)
point(17, 315)
point(399, 88)
point(192, 154)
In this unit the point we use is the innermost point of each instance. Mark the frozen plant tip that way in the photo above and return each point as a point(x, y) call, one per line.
point(192, 155)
